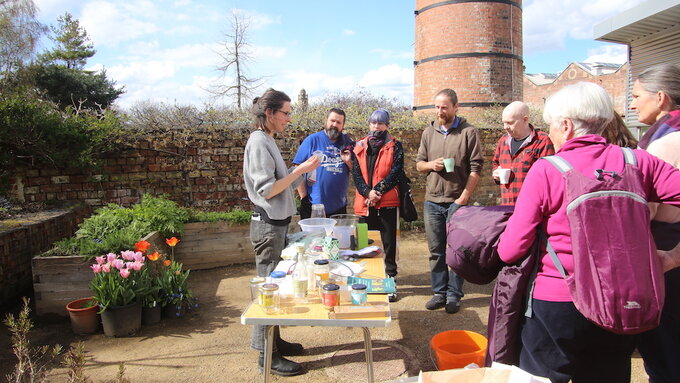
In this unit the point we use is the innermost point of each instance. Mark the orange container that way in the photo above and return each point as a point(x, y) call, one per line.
point(458, 348)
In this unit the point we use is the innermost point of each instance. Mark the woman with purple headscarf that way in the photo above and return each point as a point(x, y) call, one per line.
point(378, 166)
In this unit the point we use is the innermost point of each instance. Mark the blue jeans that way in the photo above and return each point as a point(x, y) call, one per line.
point(444, 280)
point(268, 242)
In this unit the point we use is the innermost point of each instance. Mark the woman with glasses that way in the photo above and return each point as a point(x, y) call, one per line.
point(270, 186)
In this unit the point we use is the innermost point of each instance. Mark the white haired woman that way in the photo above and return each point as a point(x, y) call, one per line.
point(558, 342)
point(656, 99)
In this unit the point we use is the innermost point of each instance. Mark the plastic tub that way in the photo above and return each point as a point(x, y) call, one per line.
point(345, 228)
point(317, 225)
point(458, 348)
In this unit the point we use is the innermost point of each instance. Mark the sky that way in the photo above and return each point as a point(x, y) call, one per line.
point(168, 50)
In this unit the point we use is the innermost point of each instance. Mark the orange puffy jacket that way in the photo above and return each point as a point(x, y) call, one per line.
point(383, 165)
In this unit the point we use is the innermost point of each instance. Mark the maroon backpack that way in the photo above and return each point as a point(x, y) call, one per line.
point(617, 281)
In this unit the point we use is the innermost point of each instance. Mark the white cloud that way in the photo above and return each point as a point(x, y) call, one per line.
point(314, 83)
point(147, 72)
point(617, 54)
point(389, 75)
point(108, 24)
point(348, 32)
point(547, 23)
point(257, 20)
point(390, 54)
point(391, 81)
point(267, 52)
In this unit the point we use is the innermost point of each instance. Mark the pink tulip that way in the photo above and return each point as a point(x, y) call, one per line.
point(118, 263)
point(100, 260)
point(124, 273)
point(106, 267)
point(110, 257)
point(139, 257)
point(96, 268)
point(127, 255)
point(136, 265)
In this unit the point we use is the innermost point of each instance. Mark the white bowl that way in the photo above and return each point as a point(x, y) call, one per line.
point(317, 225)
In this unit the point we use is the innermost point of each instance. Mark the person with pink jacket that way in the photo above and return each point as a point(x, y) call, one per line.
point(558, 342)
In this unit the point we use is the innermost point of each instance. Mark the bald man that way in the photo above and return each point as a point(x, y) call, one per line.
point(518, 150)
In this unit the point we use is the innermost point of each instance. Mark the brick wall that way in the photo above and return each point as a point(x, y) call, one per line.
point(614, 83)
point(204, 171)
point(22, 239)
point(463, 28)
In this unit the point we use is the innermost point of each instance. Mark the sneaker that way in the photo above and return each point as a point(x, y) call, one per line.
point(452, 306)
point(392, 297)
point(281, 366)
point(436, 302)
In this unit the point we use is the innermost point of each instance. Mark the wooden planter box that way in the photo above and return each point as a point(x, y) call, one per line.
point(206, 245)
point(59, 280)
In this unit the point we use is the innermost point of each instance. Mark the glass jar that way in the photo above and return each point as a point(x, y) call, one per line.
point(255, 284)
point(277, 277)
point(358, 293)
point(330, 296)
point(269, 298)
point(323, 283)
point(322, 270)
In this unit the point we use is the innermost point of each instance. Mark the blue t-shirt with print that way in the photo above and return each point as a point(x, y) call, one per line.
point(332, 176)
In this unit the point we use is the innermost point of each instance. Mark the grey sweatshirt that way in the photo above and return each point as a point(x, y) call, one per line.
point(262, 166)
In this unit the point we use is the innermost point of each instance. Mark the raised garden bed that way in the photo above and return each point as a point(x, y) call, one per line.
point(59, 280)
point(206, 245)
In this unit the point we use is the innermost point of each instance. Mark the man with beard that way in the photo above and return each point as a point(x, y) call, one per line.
point(454, 140)
point(330, 184)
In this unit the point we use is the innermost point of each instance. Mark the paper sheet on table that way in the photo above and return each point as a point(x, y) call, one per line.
point(341, 268)
point(497, 373)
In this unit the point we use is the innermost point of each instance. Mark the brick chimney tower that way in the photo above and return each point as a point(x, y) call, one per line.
point(472, 47)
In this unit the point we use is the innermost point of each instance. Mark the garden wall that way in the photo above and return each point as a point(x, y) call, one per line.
point(22, 238)
point(199, 168)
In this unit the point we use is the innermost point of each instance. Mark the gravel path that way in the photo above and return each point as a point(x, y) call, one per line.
point(210, 344)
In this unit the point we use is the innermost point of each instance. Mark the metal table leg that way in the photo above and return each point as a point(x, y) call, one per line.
point(369, 353)
point(268, 346)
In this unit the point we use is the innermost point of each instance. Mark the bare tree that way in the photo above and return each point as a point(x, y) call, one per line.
point(234, 58)
point(20, 32)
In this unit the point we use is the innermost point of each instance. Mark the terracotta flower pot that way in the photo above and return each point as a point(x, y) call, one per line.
point(84, 320)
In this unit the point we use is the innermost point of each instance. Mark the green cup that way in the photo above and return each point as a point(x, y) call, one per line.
point(449, 164)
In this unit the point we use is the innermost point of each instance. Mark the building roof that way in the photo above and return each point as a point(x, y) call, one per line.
point(541, 78)
point(594, 69)
point(642, 20)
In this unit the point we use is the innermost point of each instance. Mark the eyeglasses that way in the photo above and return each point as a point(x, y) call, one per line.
point(288, 114)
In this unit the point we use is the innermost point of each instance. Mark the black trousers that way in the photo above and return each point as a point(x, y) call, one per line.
point(306, 209)
point(385, 220)
point(559, 343)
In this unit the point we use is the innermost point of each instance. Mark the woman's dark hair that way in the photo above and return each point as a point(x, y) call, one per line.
point(617, 133)
point(271, 99)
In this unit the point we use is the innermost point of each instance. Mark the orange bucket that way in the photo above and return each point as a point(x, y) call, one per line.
point(458, 348)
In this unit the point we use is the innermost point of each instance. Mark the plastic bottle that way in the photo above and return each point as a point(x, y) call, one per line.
point(300, 275)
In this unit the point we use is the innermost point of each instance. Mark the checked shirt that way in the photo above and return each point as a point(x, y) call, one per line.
point(535, 146)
